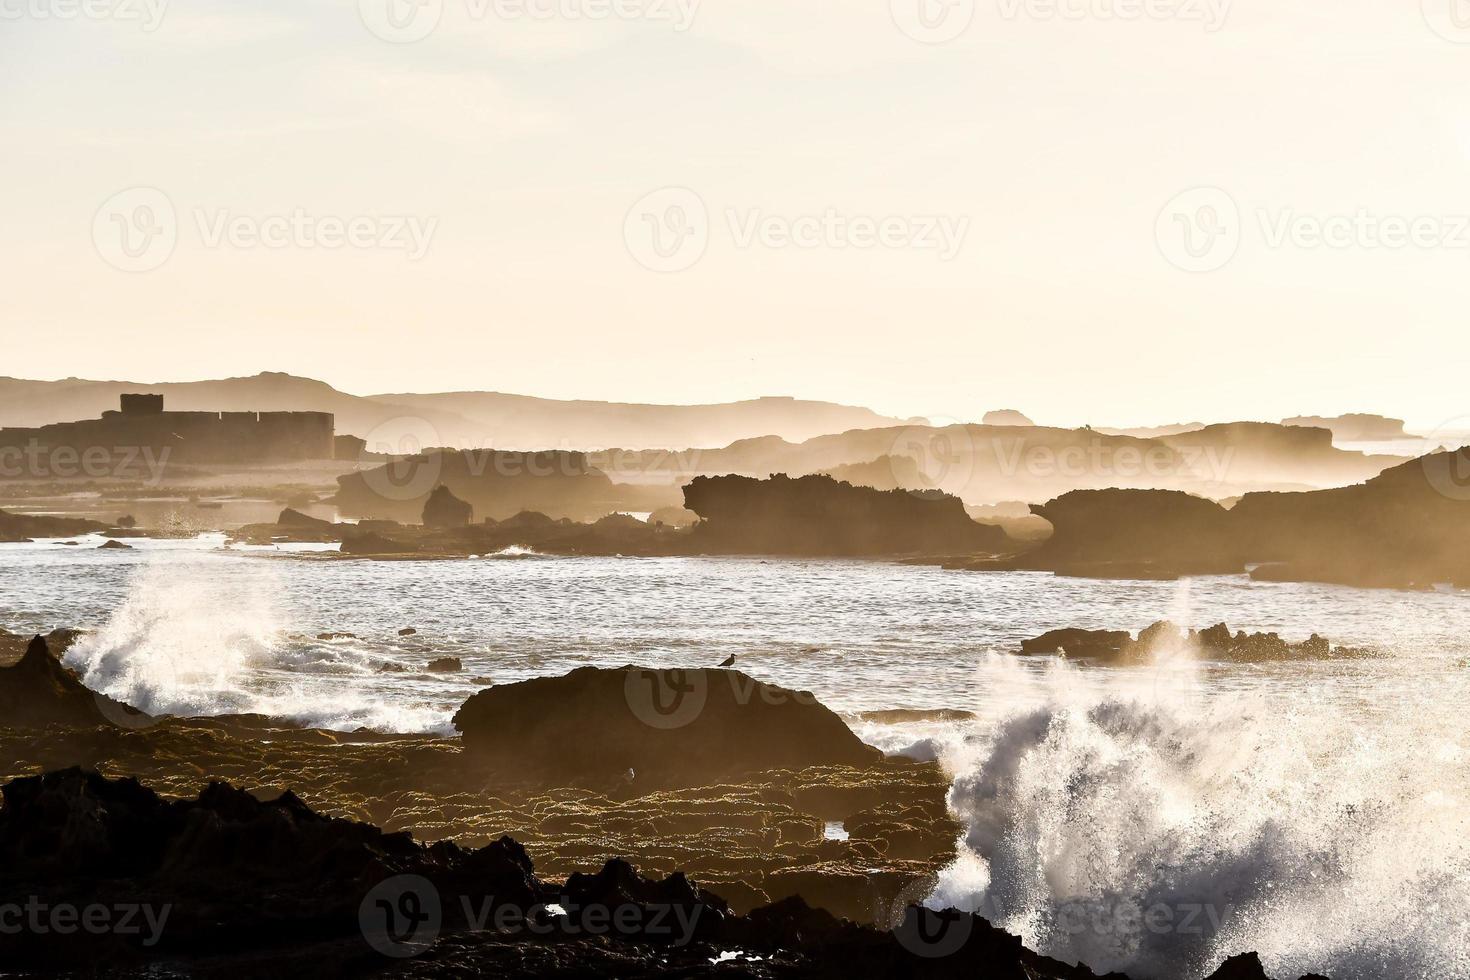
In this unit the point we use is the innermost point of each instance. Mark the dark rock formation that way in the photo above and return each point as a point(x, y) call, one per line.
point(24, 527)
point(295, 519)
point(445, 665)
point(816, 515)
point(444, 509)
point(1135, 533)
point(496, 484)
point(668, 727)
point(1247, 966)
point(1079, 643)
point(229, 884)
point(1213, 643)
point(1408, 527)
point(113, 545)
point(38, 692)
point(370, 543)
point(234, 873)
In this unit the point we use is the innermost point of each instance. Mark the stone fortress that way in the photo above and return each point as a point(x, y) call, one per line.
point(141, 428)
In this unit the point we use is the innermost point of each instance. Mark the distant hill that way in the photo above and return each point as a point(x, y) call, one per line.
point(478, 419)
point(1356, 427)
point(989, 464)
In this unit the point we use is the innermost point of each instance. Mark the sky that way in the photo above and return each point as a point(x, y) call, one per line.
point(1094, 211)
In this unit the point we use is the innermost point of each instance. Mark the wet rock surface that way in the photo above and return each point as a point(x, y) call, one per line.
point(1164, 638)
point(654, 728)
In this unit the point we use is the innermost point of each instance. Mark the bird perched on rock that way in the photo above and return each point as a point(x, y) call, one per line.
point(729, 661)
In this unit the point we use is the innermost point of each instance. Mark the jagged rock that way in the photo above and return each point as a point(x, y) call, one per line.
point(1212, 643)
point(234, 871)
point(669, 727)
point(445, 665)
point(444, 509)
point(24, 527)
point(295, 519)
point(38, 692)
point(1080, 643)
point(816, 515)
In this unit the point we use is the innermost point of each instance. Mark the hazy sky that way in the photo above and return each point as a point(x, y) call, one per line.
point(934, 210)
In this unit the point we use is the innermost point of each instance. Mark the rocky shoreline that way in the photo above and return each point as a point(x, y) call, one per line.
point(275, 847)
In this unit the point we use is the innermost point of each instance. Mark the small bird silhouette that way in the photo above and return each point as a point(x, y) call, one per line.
point(729, 661)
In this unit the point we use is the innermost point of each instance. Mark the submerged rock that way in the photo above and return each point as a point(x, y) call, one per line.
point(668, 727)
point(445, 665)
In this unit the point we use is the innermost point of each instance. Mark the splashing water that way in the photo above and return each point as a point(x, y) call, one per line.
point(187, 640)
point(1149, 828)
point(180, 643)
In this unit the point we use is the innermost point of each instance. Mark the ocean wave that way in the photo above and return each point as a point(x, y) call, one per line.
point(1156, 832)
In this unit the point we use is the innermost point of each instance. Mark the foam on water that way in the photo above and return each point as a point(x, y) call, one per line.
point(1147, 828)
point(187, 641)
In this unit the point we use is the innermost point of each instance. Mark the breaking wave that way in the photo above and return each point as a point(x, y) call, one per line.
point(189, 641)
point(1136, 824)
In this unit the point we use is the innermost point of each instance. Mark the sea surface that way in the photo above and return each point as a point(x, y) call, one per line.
point(1150, 818)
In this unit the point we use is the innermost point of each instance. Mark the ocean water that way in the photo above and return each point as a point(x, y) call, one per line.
point(1151, 819)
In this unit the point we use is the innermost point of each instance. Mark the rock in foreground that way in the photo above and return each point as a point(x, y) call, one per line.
point(654, 727)
point(38, 692)
point(229, 885)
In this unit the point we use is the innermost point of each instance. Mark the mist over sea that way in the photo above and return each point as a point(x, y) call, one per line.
point(1314, 810)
